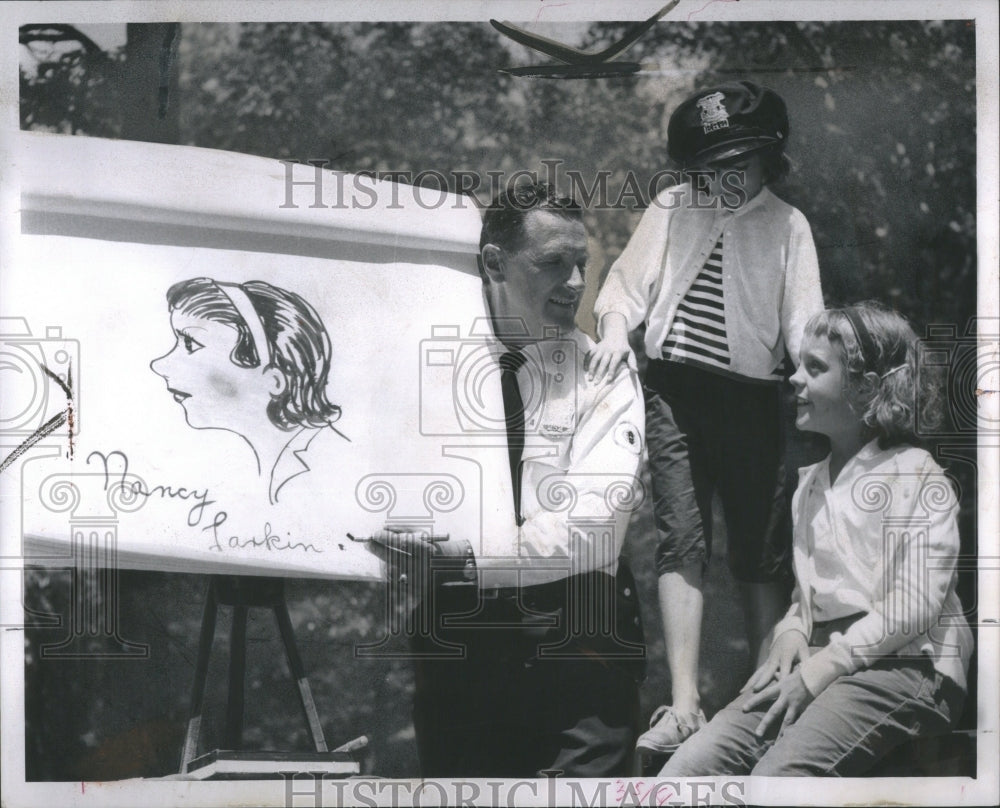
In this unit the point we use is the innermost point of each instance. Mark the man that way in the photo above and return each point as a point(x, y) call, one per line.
point(549, 632)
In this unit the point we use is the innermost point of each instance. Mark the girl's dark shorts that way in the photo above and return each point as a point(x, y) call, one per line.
point(709, 433)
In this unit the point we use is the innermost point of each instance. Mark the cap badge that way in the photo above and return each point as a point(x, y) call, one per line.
point(713, 114)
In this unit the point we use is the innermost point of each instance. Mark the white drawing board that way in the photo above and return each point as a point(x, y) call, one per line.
point(160, 461)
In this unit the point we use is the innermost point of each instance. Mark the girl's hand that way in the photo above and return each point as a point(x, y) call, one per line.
point(789, 649)
point(604, 360)
point(791, 697)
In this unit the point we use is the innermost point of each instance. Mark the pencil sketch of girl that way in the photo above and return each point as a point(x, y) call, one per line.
point(252, 359)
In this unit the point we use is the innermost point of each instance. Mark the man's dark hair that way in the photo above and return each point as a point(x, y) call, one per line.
point(503, 220)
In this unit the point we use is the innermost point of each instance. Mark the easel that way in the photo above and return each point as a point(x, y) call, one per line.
point(243, 593)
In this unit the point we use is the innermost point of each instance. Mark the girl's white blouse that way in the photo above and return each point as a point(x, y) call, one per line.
point(883, 540)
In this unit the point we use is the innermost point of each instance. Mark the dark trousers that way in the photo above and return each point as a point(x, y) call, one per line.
point(545, 681)
point(707, 433)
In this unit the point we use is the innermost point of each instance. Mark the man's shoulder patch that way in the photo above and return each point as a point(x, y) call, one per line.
point(626, 435)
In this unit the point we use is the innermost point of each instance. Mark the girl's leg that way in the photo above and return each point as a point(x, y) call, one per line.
point(681, 605)
point(725, 746)
point(681, 510)
point(764, 604)
point(860, 718)
point(752, 487)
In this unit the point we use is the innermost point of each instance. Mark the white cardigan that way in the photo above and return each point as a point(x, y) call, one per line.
point(770, 274)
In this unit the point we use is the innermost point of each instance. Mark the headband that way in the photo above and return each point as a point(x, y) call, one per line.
point(241, 302)
point(890, 371)
point(866, 342)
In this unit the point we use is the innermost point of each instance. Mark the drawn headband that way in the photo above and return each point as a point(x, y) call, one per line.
point(243, 305)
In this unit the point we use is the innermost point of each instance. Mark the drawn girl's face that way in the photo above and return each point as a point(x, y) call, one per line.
point(214, 392)
point(821, 391)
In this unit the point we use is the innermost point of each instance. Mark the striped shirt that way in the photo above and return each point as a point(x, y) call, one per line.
point(698, 332)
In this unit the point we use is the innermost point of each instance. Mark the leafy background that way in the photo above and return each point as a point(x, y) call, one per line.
point(883, 143)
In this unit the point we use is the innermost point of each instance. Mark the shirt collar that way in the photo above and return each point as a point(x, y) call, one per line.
point(855, 465)
point(868, 451)
point(539, 358)
point(290, 462)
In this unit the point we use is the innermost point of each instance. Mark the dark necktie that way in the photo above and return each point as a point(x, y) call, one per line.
point(513, 408)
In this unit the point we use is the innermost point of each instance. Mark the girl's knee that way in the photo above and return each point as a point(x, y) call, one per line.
point(691, 762)
point(790, 759)
point(722, 747)
point(782, 765)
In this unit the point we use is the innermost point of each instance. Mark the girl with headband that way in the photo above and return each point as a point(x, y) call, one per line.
point(874, 650)
point(253, 359)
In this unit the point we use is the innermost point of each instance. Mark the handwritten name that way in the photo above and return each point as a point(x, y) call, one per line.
point(270, 541)
point(137, 488)
point(197, 513)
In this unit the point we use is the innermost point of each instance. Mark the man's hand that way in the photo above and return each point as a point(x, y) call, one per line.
point(789, 649)
point(791, 697)
point(412, 556)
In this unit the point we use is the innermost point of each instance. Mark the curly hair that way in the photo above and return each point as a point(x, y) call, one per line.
point(298, 344)
point(876, 339)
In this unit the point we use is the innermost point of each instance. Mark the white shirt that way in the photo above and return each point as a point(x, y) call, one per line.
point(770, 275)
point(883, 540)
point(580, 484)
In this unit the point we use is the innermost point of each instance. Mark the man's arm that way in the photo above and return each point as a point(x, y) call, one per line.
point(579, 520)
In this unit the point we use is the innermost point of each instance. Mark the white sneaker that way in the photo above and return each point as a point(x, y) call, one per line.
point(668, 729)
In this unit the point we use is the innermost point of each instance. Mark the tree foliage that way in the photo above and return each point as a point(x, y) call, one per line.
point(883, 123)
point(68, 84)
point(882, 139)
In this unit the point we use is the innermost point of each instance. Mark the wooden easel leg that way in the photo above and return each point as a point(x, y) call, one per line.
point(242, 594)
point(299, 674)
point(200, 677)
point(233, 737)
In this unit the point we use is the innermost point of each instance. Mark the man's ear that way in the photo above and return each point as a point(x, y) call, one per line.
point(275, 379)
point(493, 264)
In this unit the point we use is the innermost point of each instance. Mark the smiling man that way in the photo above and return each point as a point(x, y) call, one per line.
point(550, 633)
point(533, 262)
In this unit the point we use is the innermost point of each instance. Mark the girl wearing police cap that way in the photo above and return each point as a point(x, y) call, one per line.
point(724, 276)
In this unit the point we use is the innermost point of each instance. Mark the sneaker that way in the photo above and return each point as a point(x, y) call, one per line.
point(668, 729)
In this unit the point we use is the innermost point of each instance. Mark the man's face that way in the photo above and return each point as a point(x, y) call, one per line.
point(538, 284)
